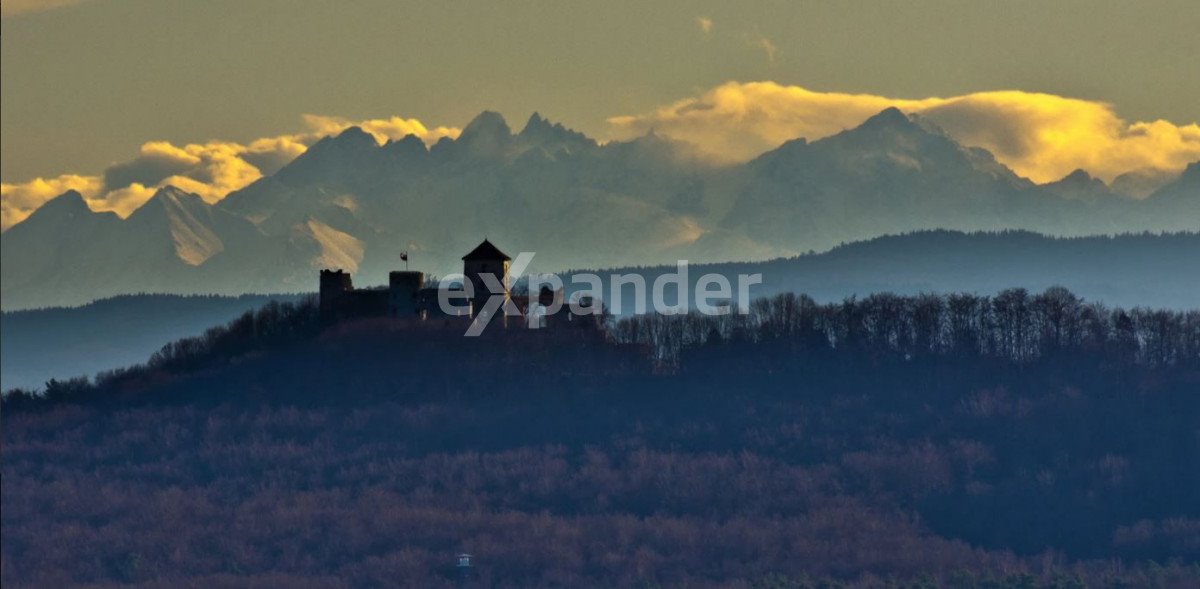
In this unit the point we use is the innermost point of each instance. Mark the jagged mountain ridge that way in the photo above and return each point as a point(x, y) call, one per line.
point(1176, 205)
point(350, 202)
point(904, 171)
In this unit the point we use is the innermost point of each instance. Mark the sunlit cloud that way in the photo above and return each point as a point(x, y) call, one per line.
point(211, 170)
point(271, 153)
point(768, 47)
point(383, 129)
point(737, 121)
point(1044, 137)
point(1040, 136)
point(124, 200)
point(17, 201)
point(705, 24)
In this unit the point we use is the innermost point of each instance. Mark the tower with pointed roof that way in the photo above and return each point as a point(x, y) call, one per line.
point(486, 259)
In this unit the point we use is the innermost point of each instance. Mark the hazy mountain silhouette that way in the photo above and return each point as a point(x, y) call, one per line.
point(892, 173)
point(352, 203)
point(41, 344)
point(1082, 186)
point(65, 254)
point(1125, 270)
point(1177, 204)
point(1142, 183)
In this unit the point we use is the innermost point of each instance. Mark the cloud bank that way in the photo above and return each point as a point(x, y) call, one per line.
point(1040, 136)
point(211, 170)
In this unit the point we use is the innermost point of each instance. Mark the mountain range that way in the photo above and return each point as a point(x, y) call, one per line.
point(349, 202)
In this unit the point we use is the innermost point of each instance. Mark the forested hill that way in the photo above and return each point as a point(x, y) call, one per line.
point(1020, 440)
point(1152, 270)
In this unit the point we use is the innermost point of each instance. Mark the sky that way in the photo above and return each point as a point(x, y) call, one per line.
point(193, 87)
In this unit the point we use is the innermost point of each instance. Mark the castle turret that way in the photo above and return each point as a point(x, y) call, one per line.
point(486, 259)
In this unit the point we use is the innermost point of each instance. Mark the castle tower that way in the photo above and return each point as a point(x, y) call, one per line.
point(403, 287)
point(486, 259)
point(333, 286)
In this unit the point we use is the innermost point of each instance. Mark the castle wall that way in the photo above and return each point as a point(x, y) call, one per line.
point(362, 303)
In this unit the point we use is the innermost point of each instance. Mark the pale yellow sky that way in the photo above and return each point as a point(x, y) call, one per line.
point(86, 84)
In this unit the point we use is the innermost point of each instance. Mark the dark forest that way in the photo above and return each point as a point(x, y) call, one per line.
point(1017, 440)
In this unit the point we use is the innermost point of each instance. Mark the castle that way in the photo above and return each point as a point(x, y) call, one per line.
point(407, 295)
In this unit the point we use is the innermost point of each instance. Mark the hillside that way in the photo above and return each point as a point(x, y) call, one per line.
point(352, 203)
point(1011, 441)
point(38, 345)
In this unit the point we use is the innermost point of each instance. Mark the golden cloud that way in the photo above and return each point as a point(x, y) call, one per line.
point(383, 129)
point(124, 200)
point(767, 46)
point(18, 201)
point(271, 153)
point(211, 170)
point(1040, 136)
